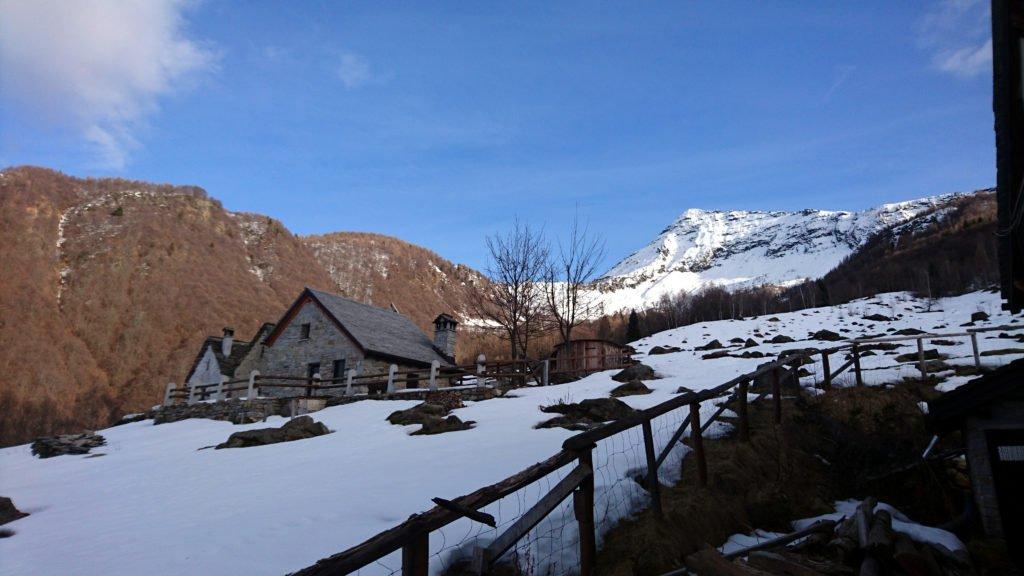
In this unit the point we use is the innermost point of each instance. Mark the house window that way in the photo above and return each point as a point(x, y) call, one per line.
point(339, 369)
point(305, 332)
point(311, 369)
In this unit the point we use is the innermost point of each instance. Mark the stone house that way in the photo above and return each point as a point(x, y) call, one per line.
point(226, 356)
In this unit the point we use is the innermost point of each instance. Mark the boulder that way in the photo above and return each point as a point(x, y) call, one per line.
point(442, 425)
point(736, 340)
point(752, 354)
point(8, 513)
point(586, 414)
point(295, 429)
point(635, 372)
point(713, 345)
point(930, 354)
point(909, 332)
point(662, 350)
point(750, 343)
point(716, 354)
point(418, 414)
point(878, 318)
point(49, 446)
point(631, 388)
point(781, 339)
point(826, 335)
point(979, 316)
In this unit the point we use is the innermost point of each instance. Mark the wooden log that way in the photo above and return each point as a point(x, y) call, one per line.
point(825, 368)
point(710, 561)
point(921, 364)
point(774, 563)
point(741, 411)
point(823, 526)
point(863, 516)
point(697, 443)
point(653, 485)
point(914, 563)
point(416, 556)
point(461, 510)
point(583, 509)
point(870, 567)
point(974, 347)
point(881, 536)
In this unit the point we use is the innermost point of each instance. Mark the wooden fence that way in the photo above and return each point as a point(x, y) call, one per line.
point(511, 372)
point(412, 537)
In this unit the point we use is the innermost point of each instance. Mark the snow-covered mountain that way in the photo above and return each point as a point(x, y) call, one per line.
point(741, 248)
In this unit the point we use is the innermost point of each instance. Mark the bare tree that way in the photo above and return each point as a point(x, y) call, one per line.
point(569, 275)
point(515, 298)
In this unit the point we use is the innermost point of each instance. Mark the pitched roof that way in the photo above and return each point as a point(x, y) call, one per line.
point(379, 331)
point(239, 350)
point(947, 411)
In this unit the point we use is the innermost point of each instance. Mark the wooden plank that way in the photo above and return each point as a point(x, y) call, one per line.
point(856, 365)
point(697, 443)
point(672, 441)
point(826, 370)
point(481, 517)
point(653, 485)
point(921, 365)
point(538, 512)
point(841, 369)
point(416, 556)
point(721, 409)
point(583, 508)
point(825, 526)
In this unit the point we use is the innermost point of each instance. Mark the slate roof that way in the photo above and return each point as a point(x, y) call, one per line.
point(380, 331)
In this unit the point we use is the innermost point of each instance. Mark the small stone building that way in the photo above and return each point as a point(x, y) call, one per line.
point(989, 413)
point(326, 334)
point(586, 355)
point(224, 356)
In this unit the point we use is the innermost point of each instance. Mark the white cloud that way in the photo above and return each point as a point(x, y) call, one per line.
point(98, 67)
point(957, 34)
point(353, 70)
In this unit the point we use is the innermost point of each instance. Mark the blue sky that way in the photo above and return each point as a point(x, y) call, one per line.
point(437, 123)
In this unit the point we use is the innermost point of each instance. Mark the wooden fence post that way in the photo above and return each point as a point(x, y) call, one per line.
point(348, 381)
point(416, 556)
point(220, 388)
point(920, 359)
point(251, 393)
point(697, 443)
point(856, 365)
point(191, 393)
point(547, 371)
point(777, 393)
point(434, 365)
point(583, 507)
point(167, 393)
point(391, 377)
point(827, 383)
point(974, 346)
point(653, 486)
point(741, 411)
point(481, 367)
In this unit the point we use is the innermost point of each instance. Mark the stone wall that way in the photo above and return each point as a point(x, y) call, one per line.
point(207, 371)
point(232, 410)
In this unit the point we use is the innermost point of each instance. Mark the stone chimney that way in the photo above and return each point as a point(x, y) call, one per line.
point(227, 341)
point(444, 335)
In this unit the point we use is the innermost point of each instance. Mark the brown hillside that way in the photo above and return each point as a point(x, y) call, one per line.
point(109, 286)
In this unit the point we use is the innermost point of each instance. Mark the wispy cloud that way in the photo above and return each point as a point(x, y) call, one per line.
point(353, 70)
point(98, 67)
point(956, 34)
point(842, 74)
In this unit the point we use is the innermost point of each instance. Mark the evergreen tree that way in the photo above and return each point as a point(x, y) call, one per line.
point(633, 327)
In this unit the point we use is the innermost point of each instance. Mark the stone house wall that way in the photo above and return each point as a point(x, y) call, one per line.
point(291, 354)
point(207, 371)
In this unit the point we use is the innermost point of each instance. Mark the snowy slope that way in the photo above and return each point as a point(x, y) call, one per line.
point(155, 503)
point(747, 248)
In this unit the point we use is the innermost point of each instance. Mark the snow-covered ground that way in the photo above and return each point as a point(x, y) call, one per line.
point(155, 503)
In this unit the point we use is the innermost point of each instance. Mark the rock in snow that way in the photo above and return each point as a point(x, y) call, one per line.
point(295, 429)
point(50, 446)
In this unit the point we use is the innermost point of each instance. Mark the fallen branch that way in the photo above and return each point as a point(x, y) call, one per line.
point(826, 526)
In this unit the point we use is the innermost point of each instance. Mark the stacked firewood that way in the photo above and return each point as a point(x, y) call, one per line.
point(864, 544)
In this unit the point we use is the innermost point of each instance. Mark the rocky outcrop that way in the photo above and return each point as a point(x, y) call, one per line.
point(295, 429)
point(781, 339)
point(50, 446)
point(635, 372)
point(826, 335)
point(586, 414)
point(8, 513)
point(442, 425)
point(431, 417)
point(663, 350)
point(631, 388)
point(713, 345)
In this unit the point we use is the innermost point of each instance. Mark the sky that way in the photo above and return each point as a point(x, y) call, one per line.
point(440, 122)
